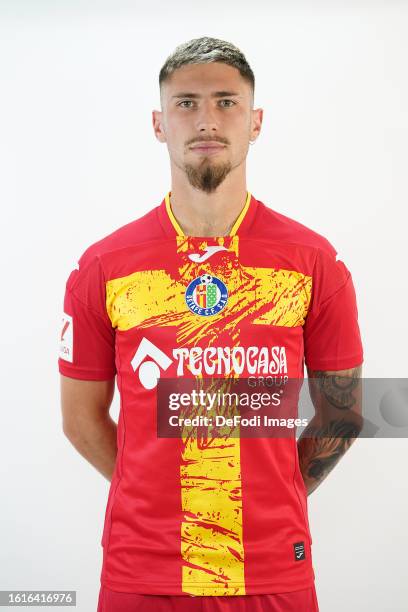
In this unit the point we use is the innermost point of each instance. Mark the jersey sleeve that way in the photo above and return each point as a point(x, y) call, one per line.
point(331, 332)
point(87, 339)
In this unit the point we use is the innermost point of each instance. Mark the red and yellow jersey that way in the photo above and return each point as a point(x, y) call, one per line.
point(228, 516)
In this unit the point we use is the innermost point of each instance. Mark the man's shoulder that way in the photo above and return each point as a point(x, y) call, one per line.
point(143, 229)
point(273, 225)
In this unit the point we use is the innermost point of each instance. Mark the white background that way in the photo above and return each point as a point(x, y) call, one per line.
point(79, 159)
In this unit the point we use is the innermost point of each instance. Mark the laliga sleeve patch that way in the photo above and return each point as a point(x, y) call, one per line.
point(66, 339)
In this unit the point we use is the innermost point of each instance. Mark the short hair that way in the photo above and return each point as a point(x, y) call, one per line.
point(205, 50)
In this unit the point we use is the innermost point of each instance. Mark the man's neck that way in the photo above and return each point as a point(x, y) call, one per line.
point(202, 214)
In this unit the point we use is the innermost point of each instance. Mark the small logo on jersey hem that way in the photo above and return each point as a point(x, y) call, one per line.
point(206, 295)
point(299, 550)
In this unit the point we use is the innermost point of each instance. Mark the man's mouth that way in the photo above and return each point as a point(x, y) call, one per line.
point(208, 147)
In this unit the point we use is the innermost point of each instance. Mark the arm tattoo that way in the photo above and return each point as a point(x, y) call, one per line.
point(336, 425)
point(338, 390)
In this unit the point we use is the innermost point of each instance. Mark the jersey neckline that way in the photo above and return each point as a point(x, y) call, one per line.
point(241, 225)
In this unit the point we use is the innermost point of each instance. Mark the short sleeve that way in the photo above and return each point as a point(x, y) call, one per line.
point(87, 338)
point(331, 331)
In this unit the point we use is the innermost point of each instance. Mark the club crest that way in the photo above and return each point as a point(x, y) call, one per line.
point(206, 295)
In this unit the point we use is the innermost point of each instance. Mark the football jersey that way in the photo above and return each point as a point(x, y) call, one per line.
point(223, 515)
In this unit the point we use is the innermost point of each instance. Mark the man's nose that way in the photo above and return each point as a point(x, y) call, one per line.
point(206, 120)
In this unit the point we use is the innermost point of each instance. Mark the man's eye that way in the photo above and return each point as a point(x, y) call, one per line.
point(227, 103)
point(185, 103)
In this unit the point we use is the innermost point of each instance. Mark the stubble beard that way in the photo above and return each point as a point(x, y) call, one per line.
point(207, 177)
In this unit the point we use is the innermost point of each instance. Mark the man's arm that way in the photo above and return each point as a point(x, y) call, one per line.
point(86, 421)
point(336, 396)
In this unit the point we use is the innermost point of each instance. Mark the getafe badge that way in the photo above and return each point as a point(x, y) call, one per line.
point(206, 295)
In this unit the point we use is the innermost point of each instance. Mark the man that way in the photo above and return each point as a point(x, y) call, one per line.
point(210, 284)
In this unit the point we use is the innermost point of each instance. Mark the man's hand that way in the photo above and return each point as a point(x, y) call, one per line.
point(336, 396)
point(86, 421)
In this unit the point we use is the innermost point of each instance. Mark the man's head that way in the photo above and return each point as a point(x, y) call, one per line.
point(207, 117)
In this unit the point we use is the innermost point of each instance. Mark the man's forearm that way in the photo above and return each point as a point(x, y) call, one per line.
point(317, 454)
point(337, 423)
point(97, 443)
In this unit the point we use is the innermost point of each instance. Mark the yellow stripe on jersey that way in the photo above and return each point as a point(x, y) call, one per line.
point(171, 216)
point(212, 545)
point(263, 296)
point(241, 216)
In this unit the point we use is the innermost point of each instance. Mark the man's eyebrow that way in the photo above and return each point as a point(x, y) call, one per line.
point(216, 94)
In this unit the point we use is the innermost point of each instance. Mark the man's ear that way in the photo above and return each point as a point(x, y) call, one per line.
point(157, 120)
point(257, 117)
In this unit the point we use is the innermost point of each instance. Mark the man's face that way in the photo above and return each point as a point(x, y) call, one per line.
point(207, 121)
